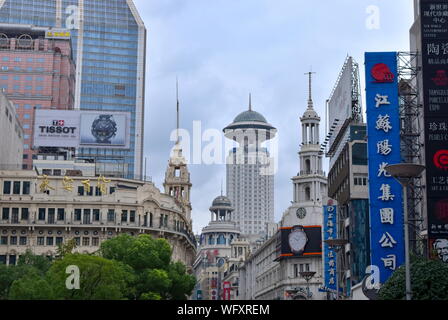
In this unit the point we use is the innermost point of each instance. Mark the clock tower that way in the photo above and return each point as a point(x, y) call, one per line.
point(310, 184)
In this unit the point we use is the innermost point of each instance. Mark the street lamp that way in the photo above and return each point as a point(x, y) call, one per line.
point(307, 275)
point(337, 244)
point(404, 173)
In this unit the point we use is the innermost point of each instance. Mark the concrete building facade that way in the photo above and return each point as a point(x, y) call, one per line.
point(11, 133)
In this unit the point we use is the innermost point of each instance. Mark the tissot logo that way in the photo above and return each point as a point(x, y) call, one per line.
point(381, 73)
point(58, 127)
point(59, 123)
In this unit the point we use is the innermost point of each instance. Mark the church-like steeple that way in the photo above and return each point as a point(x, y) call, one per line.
point(307, 183)
point(177, 177)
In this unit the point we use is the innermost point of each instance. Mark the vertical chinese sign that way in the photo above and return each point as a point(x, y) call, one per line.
point(330, 232)
point(383, 129)
point(434, 26)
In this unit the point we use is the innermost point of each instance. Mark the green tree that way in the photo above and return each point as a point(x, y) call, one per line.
point(32, 286)
point(41, 263)
point(100, 278)
point(155, 276)
point(429, 279)
point(66, 248)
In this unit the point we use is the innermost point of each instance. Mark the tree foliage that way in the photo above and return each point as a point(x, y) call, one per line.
point(429, 280)
point(127, 268)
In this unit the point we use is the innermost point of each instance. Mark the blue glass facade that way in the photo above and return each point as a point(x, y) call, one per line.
point(111, 61)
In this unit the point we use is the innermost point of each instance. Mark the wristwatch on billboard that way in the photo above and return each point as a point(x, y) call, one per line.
point(297, 239)
point(104, 128)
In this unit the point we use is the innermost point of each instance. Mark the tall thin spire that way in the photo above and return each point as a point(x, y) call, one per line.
point(310, 96)
point(221, 187)
point(250, 101)
point(177, 111)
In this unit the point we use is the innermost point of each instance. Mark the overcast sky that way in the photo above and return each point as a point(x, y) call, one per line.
point(223, 49)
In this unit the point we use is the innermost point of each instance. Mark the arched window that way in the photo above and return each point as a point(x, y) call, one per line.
point(221, 239)
point(307, 194)
point(211, 241)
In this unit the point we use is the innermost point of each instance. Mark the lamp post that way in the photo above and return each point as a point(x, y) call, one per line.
point(337, 244)
point(404, 173)
point(307, 275)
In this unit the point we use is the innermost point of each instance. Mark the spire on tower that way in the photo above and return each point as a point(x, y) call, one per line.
point(310, 96)
point(250, 101)
point(177, 110)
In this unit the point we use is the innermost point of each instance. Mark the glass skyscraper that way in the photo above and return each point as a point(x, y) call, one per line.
point(108, 41)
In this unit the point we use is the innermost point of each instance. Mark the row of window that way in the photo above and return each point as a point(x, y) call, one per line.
point(17, 87)
point(48, 241)
point(16, 187)
point(29, 59)
point(28, 69)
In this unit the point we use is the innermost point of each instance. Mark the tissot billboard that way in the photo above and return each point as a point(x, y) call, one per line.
point(434, 28)
point(73, 129)
point(383, 129)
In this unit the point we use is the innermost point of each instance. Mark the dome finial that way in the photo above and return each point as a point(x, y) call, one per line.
point(310, 96)
point(250, 101)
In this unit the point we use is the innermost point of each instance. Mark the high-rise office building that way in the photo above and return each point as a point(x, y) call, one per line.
point(109, 41)
point(36, 72)
point(250, 179)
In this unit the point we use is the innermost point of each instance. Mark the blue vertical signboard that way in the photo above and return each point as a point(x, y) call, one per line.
point(383, 129)
point(330, 232)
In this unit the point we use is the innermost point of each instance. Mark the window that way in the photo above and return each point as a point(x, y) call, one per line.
point(7, 187)
point(5, 214)
point(40, 241)
point(42, 214)
point(95, 242)
point(22, 241)
point(15, 215)
point(80, 190)
point(85, 241)
point(26, 185)
point(50, 241)
point(221, 239)
point(4, 240)
point(111, 190)
point(25, 214)
point(59, 240)
point(78, 241)
point(86, 219)
point(111, 215)
point(96, 215)
point(124, 216)
point(13, 240)
point(61, 214)
point(77, 214)
point(132, 216)
point(51, 215)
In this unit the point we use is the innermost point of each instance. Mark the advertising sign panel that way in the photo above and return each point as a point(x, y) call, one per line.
point(330, 259)
point(383, 130)
point(434, 26)
point(340, 102)
point(299, 241)
point(79, 128)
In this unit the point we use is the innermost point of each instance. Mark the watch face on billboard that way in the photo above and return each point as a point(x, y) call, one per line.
point(103, 129)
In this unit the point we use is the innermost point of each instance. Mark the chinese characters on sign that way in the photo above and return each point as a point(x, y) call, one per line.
point(330, 232)
point(434, 25)
point(383, 126)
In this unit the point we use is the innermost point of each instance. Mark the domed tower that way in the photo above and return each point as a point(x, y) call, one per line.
point(250, 177)
point(310, 184)
point(177, 177)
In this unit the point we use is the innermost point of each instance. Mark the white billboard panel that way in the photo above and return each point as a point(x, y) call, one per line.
point(340, 103)
point(79, 128)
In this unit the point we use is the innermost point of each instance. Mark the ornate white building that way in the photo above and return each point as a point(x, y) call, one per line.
point(39, 212)
point(215, 249)
point(250, 178)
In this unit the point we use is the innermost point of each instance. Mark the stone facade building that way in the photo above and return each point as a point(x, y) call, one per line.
point(39, 212)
